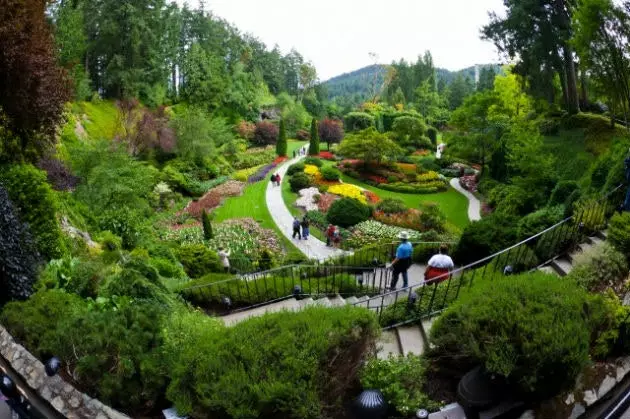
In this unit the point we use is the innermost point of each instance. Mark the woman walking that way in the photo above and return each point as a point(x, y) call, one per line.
point(305, 228)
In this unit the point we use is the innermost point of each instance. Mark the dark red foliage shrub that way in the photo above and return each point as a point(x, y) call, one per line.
point(246, 130)
point(266, 133)
point(303, 135)
point(58, 174)
point(331, 131)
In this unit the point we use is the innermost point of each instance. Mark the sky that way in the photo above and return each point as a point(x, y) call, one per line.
point(337, 36)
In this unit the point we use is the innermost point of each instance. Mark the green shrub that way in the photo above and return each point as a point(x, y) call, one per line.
point(599, 268)
point(511, 200)
point(208, 234)
point(358, 121)
point(392, 206)
point(124, 223)
point(109, 241)
point(432, 133)
point(300, 181)
point(431, 217)
point(346, 212)
point(318, 218)
point(619, 232)
point(295, 168)
point(401, 380)
point(538, 221)
point(168, 268)
point(600, 171)
point(293, 365)
point(36, 205)
point(531, 329)
point(330, 173)
point(571, 201)
point(198, 260)
point(562, 192)
point(313, 161)
point(485, 237)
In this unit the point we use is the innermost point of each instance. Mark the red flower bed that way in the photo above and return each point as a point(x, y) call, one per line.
point(279, 160)
point(372, 198)
point(409, 219)
point(326, 155)
point(325, 201)
point(376, 178)
point(350, 163)
point(469, 182)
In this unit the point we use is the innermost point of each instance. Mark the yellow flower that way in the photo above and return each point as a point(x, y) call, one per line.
point(311, 170)
point(428, 177)
point(348, 190)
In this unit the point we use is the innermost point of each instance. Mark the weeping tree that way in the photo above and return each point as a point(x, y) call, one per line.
point(18, 257)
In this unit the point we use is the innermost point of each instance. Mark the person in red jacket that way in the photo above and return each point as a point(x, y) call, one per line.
point(439, 267)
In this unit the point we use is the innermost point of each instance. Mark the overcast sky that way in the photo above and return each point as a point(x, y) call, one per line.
point(338, 35)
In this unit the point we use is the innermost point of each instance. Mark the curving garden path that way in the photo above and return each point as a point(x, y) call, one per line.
point(312, 248)
point(474, 206)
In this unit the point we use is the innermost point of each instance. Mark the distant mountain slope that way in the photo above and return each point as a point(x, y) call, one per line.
point(358, 84)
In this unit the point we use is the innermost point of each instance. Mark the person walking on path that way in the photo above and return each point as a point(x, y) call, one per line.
point(273, 179)
point(402, 261)
point(224, 256)
point(278, 179)
point(305, 228)
point(330, 233)
point(296, 228)
point(439, 267)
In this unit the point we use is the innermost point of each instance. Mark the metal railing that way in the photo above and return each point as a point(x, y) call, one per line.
point(420, 301)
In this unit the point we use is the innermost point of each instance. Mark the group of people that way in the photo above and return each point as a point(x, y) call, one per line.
point(333, 236)
point(438, 268)
point(299, 152)
point(276, 179)
point(301, 229)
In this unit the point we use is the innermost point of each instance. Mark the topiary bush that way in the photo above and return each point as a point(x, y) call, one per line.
point(485, 237)
point(295, 168)
point(392, 206)
point(358, 121)
point(346, 212)
point(289, 365)
point(313, 161)
point(599, 268)
point(198, 260)
point(538, 221)
point(330, 174)
point(619, 232)
point(562, 192)
point(531, 329)
point(300, 181)
point(36, 204)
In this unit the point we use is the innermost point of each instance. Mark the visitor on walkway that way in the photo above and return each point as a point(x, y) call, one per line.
point(330, 233)
point(296, 228)
point(336, 237)
point(305, 228)
point(439, 267)
point(293, 153)
point(402, 261)
point(278, 179)
point(224, 256)
point(273, 179)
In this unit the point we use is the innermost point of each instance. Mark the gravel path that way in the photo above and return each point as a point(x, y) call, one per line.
point(312, 248)
point(474, 206)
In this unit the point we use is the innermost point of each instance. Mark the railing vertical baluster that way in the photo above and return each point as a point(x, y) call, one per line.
point(474, 271)
point(461, 281)
point(448, 287)
point(429, 308)
point(249, 297)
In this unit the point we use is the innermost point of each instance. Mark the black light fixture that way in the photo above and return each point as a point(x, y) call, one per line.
point(227, 302)
point(413, 299)
point(8, 387)
point(52, 366)
point(422, 414)
point(375, 262)
point(297, 291)
point(359, 277)
point(370, 405)
point(508, 270)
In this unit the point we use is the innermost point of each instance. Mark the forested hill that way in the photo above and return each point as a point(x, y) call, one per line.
point(360, 84)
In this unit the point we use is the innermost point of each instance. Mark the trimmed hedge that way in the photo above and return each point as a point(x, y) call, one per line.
point(346, 212)
point(330, 174)
point(299, 181)
point(296, 168)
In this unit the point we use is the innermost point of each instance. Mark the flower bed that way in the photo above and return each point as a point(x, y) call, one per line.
point(371, 197)
point(325, 201)
point(312, 170)
point(348, 190)
point(407, 168)
point(421, 153)
point(326, 155)
point(370, 232)
point(427, 177)
point(412, 188)
point(280, 159)
point(214, 197)
point(307, 199)
point(376, 179)
point(408, 219)
point(469, 182)
point(244, 174)
point(261, 173)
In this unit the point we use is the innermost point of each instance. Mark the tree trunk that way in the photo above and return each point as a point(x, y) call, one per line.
point(583, 89)
point(573, 103)
point(563, 84)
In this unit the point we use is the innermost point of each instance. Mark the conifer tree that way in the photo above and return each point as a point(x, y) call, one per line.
point(281, 145)
point(208, 234)
point(313, 148)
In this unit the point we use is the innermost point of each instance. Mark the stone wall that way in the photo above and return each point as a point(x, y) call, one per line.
point(63, 397)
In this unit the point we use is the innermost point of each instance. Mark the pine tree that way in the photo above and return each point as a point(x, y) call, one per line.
point(313, 149)
point(281, 145)
point(208, 234)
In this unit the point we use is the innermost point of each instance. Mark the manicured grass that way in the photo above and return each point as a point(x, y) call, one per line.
point(102, 122)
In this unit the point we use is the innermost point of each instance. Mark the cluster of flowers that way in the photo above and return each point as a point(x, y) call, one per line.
point(244, 174)
point(469, 182)
point(280, 159)
point(376, 179)
point(261, 173)
point(369, 232)
point(427, 177)
point(409, 219)
point(312, 170)
point(407, 168)
point(214, 196)
point(371, 197)
point(326, 155)
point(348, 190)
point(421, 153)
point(325, 201)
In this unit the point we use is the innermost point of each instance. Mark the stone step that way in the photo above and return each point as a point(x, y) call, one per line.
point(595, 241)
point(290, 304)
point(548, 270)
point(388, 345)
point(585, 247)
point(324, 302)
point(337, 301)
point(306, 302)
point(603, 234)
point(562, 266)
point(351, 300)
point(362, 301)
point(410, 339)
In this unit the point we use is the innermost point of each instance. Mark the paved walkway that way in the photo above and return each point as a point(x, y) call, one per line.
point(474, 206)
point(312, 248)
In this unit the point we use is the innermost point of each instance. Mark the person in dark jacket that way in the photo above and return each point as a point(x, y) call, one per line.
point(305, 228)
point(402, 261)
point(296, 228)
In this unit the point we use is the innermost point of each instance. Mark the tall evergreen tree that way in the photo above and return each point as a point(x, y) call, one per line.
point(281, 145)
point(313, 148)
point(208, 233)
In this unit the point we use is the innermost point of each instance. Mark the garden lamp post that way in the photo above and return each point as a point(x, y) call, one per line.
point(52, 366)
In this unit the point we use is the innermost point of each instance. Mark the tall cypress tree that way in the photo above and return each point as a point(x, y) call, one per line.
point(208, 234)
point(281, 145)
point(313, 148)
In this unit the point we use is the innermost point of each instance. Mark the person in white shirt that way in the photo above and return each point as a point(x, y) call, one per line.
point(439, 266)
point(224, 255)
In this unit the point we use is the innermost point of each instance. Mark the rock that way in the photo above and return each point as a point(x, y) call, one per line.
point(626, 299)
point(606, 385)
point(46, 393)
point(67, 388)
point(528, 414)
point(578, 410)
point(58, 404)
point(590, 397)
point(570, 399)
point(75, 402)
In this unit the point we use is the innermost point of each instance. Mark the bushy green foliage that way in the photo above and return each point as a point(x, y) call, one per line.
point(36, 204)
point(562, 192)
point(511, 200)
point(431, 217)
point(298, 365)
point(317, 218)
point(330, 173)
point(538, 221)
point(599, 268)
point(531, 329)
point(315, 161)
point(295, 168)
point(619, 232)
point(313, 147)
point(483, 238)
point(300, 181)
point(357, 121)
point(346, 212)
point(281, 145)
point(432, 133)
point(207, 225)
point(409, 131)
point(392, 206)
point(126, 224)
point(401, 380)
point(198, 260)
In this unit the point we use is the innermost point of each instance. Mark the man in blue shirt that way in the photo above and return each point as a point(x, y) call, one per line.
point(402, 262)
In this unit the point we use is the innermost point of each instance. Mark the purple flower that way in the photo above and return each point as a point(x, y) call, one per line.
point(261, 173)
